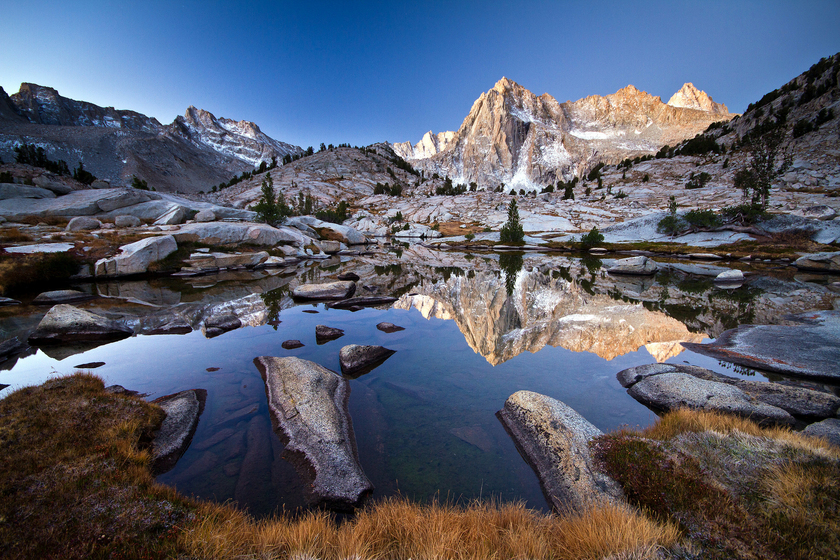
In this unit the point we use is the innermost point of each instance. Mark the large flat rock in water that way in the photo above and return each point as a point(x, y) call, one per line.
point(554, 440)
point(797, 401)
point(64, 323)
point(675, 390)
point(308, 406)
point(330, 290)
point(136, 257)
point(808, 348)
point(224, 233)
point(175, 434)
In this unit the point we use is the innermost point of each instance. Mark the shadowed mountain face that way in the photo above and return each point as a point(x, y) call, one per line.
point(511, 136)
point(193, 153)
point(542, 310)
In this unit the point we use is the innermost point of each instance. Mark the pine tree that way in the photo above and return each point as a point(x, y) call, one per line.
point(756, 178)
point(267, 208)
point(512, 231)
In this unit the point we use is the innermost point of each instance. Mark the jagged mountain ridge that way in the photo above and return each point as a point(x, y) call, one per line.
point(514, 137)
point(192, 153)
point(44, 105)
point(251, 144)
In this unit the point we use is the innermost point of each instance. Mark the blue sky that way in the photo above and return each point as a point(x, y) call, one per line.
point(362, 72)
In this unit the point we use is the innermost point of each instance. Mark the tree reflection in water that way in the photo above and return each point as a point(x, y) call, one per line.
point(511, 264)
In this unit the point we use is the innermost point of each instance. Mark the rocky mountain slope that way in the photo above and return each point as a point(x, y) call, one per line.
point(518, 139)
point(804, 111)
point(192, 153)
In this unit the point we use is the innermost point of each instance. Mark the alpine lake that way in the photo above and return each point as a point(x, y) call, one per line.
point(477, 328)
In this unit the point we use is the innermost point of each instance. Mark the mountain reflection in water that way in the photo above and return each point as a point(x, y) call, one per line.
point(477, 329)
point(542, 310)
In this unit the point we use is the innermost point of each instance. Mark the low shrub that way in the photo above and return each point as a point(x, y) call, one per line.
point(594, 237)
point(702, 218)
point(670, 224)
point(698, 181)
point(14, 235)
point(745, 213)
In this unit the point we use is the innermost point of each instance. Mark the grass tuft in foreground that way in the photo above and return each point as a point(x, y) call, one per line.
point(75, 475)
point(75, 484)
point(737, 490)
point(398, 528)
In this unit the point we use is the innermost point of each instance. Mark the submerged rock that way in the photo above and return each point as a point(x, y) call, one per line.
point(324, 334)
point(554, 440)
point(61, 296)
point(330, 290)
point(9, 348)
point(176, 432)
point(822, 262)
point(809, 348)
point(176, 325)
point(65, 323)
point(357, 360)
point(221, 323)
point(363, 301)
point(389, 327)
point(292, 344)
point(308, 407)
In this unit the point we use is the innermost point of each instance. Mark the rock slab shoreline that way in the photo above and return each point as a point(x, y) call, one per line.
point(308, 407)
point(554, 440)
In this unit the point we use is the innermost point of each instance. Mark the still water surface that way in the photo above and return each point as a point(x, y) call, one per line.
point(424, 420)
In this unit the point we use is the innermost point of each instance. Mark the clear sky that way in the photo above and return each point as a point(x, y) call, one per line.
point(360, 72)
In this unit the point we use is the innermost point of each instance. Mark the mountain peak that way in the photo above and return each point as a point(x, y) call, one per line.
point(504, 85)
point(689, 97)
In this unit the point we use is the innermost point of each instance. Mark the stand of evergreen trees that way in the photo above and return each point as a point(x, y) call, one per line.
point(30, 155)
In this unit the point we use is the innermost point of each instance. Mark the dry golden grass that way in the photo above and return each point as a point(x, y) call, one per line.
point(397, 528)
point(740, 490)
point(28, 271)
point(13, 235)
point(49, 220)
point(76, 480)
point(454, 228)
point(685, 420)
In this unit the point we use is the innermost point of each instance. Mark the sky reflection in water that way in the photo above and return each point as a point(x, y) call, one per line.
point(424, 420)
